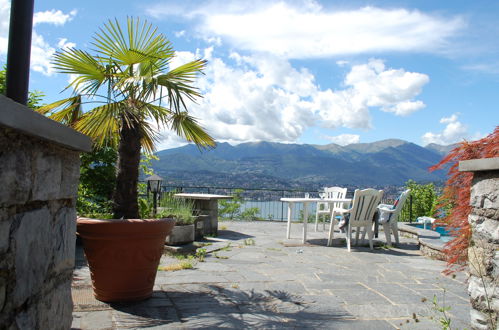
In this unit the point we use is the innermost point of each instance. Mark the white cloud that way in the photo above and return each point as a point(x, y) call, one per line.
point(454, 132)
point(56, 17)
point(303, 29)
point(252, 98)
point(41, 50)
point(170, 139)
point(179, 34)
point(344, 139)
point(370, 85)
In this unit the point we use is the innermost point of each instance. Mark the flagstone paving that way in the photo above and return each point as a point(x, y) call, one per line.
point(253, 277)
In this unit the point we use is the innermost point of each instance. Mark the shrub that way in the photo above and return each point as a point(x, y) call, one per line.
point(456, 195)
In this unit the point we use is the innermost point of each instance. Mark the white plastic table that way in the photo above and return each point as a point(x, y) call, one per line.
point(305, 202)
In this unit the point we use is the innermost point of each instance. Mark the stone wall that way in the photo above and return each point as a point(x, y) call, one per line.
point(483, 253)
point(38, 186)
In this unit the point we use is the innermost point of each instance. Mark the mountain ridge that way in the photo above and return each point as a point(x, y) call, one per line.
point(380, 163)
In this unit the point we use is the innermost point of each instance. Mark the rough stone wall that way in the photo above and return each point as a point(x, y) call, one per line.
point(484, 251)
point(38, 186)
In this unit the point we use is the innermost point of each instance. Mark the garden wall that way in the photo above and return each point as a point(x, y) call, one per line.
point(39, 171)
point(484, 250)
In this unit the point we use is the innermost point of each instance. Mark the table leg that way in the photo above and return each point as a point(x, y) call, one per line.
point(305, 221)
point(288, 235)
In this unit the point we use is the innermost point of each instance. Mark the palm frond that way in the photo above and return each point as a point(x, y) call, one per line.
point(57, 104)
point(102, 123)
point(71, 114)
point(178, 83)
point(140, 43)
point(187, 127)
point(90, 73)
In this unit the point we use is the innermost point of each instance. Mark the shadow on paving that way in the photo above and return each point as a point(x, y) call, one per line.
point(222, 307)
point(379, 247)
point(80, 260)
point(233, 235)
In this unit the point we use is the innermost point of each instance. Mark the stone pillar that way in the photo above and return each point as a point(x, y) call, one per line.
point(39, 171)
point(483, 253)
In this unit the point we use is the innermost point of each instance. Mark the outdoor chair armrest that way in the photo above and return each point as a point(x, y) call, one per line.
point(386, 208)
point(340, 210)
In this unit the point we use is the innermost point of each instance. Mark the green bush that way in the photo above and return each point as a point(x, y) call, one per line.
point(424, 200)
point(97, 181)
point(231, 208)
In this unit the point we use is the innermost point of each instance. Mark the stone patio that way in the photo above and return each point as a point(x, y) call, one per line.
point(252, 277)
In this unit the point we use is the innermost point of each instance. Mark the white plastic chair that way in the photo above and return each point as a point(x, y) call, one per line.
point(323, 207)
point(389, 215)
point(361, 215)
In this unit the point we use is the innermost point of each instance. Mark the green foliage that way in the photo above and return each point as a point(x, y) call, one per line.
point(250, 214)
point(424, 200)
point(97, 181)
point(311, 217)
point(231, 208)
point(145, 208)
point(200, 254)
point(178, 208)
point(127, 76)
point(444, 319)
point(34, 97)
point(145, 168)
point(249, 241)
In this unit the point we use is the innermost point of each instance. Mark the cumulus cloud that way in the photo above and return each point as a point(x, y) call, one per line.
point(56, 17)
point(344, 139)
point(253, 98)
point(370, 85)
point(303, 29)
point(41, 50)
point(454, 132)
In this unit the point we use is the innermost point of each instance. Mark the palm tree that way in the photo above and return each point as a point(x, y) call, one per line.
point(131, 69)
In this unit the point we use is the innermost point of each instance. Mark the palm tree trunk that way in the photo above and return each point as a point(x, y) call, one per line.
point(125, 194)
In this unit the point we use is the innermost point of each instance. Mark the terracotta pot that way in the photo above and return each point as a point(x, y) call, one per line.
point(182, 234)
point(123, 255)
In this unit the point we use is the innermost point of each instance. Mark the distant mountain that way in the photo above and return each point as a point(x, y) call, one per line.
point(278, 165)
point(440, 149)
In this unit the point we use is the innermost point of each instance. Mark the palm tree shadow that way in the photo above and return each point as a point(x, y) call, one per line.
point(215, 307)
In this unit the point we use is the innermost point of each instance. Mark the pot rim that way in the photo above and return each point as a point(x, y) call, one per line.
point(92, 220)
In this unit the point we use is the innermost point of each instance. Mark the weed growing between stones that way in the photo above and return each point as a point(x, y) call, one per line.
point(184, 264)
point(219, 257)
point(249, 241)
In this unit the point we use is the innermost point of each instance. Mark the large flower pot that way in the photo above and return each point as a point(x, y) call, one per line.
point(182, 234)
point(123, 255)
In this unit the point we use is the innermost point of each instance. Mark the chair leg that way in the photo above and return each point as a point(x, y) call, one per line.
point(363, 237)
point(357, 233)
point(316, 219)
point(387, 229)
point(349, 237)
point(395, 230)
point(331, 231)
point(370, 235)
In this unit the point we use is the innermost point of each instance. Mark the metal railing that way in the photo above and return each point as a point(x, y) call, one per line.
point(267, 201)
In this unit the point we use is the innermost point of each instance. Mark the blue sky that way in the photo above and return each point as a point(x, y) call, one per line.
point(308, 71)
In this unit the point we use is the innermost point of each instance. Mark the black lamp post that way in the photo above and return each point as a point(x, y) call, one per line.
point(18, 56)
point(154, 185)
